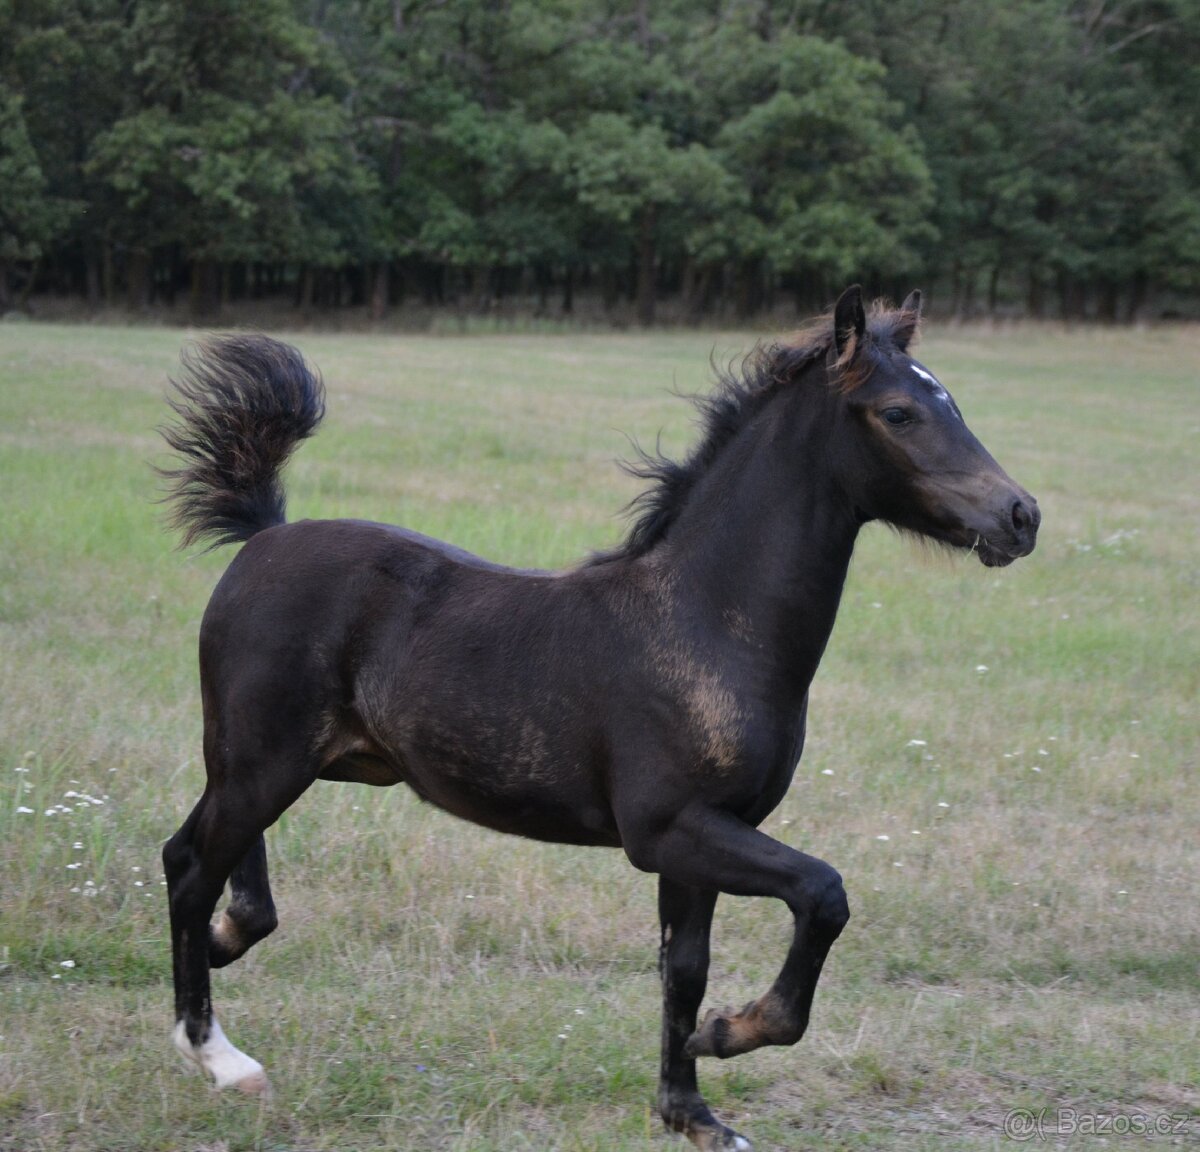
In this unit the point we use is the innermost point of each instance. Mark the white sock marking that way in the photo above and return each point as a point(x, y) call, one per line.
point(218, 1057)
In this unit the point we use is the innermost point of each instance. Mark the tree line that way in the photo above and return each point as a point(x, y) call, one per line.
point(716, 156)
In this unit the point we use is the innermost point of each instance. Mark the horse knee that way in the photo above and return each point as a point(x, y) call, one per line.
point(824, 903)
point(833, 908)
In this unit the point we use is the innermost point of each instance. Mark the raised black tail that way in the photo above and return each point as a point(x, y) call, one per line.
point(244, 403)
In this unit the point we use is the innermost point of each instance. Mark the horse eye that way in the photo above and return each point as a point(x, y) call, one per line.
point(895, 415)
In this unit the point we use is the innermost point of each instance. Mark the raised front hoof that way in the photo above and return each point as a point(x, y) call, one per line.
point(717, 1036)
point(724, 1033)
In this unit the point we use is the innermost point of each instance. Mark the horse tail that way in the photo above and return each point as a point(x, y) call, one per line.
point(244, 403)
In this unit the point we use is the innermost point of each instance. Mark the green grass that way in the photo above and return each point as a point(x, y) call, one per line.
point(1027, 934)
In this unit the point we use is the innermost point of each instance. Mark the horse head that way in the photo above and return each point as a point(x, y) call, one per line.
point(907, 456)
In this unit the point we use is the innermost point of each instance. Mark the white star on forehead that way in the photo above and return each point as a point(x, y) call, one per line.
point(935, 386)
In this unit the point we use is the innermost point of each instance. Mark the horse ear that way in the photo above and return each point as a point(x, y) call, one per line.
point(849, 323)
point(909, 321)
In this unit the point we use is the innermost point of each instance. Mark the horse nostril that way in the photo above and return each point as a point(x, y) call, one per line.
point(1022, 518)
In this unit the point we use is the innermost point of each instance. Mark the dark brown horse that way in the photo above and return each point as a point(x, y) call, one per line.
point(651, 699)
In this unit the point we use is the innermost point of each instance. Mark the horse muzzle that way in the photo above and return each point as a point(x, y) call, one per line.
point(1014, 534)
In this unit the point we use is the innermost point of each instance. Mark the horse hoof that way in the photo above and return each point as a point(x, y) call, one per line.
point(719, 1140)
point(710, 1038)
point(228, 1067)
point(256, 1084)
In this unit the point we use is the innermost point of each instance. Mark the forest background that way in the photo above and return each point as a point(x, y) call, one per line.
point(622, 162)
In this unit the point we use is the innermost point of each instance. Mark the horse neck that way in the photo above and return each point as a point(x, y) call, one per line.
point(762, 547)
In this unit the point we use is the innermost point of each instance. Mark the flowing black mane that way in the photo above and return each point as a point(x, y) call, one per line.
point(740, 393)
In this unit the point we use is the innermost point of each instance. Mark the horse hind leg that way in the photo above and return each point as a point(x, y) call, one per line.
point(197, 862)
point(222, 835)
point(250, 915)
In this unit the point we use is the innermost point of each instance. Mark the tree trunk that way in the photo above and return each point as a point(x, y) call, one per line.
point(645, 267)
point(688, 276)
point(968, 303)
point(205, 288)
point(697, 302)
point(480, 291)
point(170, 279)
point(137, 280)
point(91, 276)
point(377, 308)
point(1109, 298)
point(1138, 292)
point(568, 296)
point(1072, 297)
point(1033, 294)
point(749, 289)
point(108, 274)
point(610, 288)
point(307, 288)
point(23, 299)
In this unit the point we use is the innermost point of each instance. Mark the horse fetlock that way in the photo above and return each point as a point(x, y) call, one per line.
point(237, 930)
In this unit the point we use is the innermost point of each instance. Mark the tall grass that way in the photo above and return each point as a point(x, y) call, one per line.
point(1002, 764)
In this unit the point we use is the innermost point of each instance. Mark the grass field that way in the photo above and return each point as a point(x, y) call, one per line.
point(1003, 765)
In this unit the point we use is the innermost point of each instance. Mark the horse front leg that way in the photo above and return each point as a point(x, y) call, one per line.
point(685, 914)
point(712, 849)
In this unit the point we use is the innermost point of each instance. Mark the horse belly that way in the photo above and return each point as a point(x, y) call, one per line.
point(555, 811)
point(509, 777)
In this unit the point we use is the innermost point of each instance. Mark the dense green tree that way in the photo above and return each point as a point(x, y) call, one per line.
point(226, 149)
point(30, 219)
point(1042, 154)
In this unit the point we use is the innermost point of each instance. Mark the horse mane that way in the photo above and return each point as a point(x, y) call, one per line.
point(741, 393)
